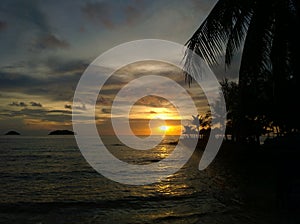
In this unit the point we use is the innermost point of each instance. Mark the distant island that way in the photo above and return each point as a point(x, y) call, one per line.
point(61, 132)
point(12, 133)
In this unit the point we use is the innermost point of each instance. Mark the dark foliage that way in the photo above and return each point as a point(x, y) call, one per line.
point(264, 31)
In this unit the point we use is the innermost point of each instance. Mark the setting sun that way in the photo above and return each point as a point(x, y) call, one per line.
point(164, 128)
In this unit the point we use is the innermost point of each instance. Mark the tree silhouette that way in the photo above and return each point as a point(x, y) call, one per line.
point(200, 126)
point(269, 70)
point(190, 132)
point(196, 122)
point(205, 125)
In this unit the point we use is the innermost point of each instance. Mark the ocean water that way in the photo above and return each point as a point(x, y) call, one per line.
point(47, 180)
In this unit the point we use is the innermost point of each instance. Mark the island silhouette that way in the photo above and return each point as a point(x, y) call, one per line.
point(61, 132)
point(12, 133)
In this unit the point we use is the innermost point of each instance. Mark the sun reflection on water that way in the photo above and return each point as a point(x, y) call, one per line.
point(171, 189)
point(163, 152)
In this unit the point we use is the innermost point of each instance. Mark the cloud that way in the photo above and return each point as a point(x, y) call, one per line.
point(28, 12)
point(111, 14)
point(80, 107)
point(60, 86)
point(35, 104)
point(21, 84)
point(106, 110)
point(68, 106)
point(153, 101)
point(18, 104)
point(23, 104)
point(3, 25)
point(50, 41)
point(99, 13)
point(103, 101)
point(62, 66)
point(131, 14)
point(60, 111)
point(47, 74)
point(42, 114)
point(27, 22)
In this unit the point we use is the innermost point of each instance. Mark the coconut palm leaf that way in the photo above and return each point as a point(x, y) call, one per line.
point(265, 33)
point(237, 35)
point(247, 24)
point(257, 47)
point(222, 32)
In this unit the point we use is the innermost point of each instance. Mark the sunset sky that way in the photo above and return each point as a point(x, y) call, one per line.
point(46, 46)
point(165, 114)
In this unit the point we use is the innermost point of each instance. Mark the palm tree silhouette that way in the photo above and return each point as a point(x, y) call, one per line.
point(190, 132)
point(196, 122)
point(263, 32)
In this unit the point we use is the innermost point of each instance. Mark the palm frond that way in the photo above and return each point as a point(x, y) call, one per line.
point(225, 25)
point(237, 35)
point(257, 46)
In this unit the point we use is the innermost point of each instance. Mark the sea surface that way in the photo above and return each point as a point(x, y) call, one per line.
point(47, 180)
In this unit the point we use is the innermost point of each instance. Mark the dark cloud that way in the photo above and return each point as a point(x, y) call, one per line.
point(103, 101)
point(3, 25)
point(26, 11)
point(68, 106)
point(132, 14)
point(23, 84)
point(29, 17)
point(9, 80)
point(99, 13)
point(29, 24)
point(23, 104)
point(153, 101)
point(106, 110)
point(50, 41)
point(111, 14)
point(60, 66)
point(35, 104)
point(58, 87)
point(60, 111)
point(42, 114)
point(18, 104)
